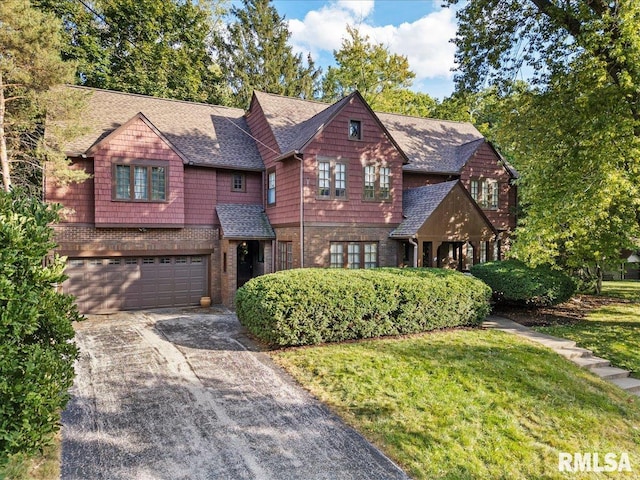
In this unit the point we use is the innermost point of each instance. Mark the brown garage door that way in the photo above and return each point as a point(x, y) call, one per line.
point(128, 283)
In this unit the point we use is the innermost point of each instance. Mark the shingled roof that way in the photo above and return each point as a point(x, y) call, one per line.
point(207, 135)
point(417, 206)
point(432, 146)
point(244, 221)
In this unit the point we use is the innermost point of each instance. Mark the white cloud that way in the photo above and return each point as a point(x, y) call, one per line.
point(425, 42)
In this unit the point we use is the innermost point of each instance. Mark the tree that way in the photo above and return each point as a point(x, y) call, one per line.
point(30, 66)
point(575, 134)
point(36, 348)
point(254, 55)
point(369, 68)
point(161, 48)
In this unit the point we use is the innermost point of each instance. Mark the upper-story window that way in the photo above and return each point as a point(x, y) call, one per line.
point(143, 181)
point(485, 193)
point(238, 182)
point(332, 179)
point(271, 188)
point(377, 183)
point(355, 130)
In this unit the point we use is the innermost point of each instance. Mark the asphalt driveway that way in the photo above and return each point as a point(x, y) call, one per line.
point(181, 394)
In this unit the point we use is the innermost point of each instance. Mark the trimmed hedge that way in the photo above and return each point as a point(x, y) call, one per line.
point(311, 306)
point(515, 283)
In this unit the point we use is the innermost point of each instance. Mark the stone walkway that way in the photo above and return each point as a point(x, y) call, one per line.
point(568, 349)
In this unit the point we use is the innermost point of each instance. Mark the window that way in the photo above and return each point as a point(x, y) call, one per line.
point(483, 252)
point(271, 188)
point(332, 179)
point(238, 183)
point(180, 260)
point(113, 261)
point(165, 260)
point(485, 193)
point(144, 182)
point(285, 255)
point(496, 250)
point(353, 254)
point(148, 260)
point(355, 130)
point(130, 261)
point(377, 183)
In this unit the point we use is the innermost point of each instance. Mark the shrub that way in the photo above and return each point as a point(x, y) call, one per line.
point(515, 283)
point(36, 349)
point(311, 306)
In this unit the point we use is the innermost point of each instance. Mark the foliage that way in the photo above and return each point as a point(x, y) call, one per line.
point(30, 66)
point(254, 55)
point(44, 465)
point(574, 134)
point(152, 47)
point(310, 306)
point(36, 349)
point(469, 404)
point(515, 283)
point(369, 68)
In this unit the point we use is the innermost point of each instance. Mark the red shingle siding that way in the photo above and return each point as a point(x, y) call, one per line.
point(374, 149)
point(76, 198)
point(138, 141)
point(199, 195)
point(260, 129)
point(253, 188)
point(485, 164)
point(415, 180)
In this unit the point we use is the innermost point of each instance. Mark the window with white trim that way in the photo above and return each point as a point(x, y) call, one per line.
point(271, 188)
point(377, 183)
point(355, 130)
point(332, 179)
point(485, 192)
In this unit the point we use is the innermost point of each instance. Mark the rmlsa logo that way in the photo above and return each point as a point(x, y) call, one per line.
point(592, 462)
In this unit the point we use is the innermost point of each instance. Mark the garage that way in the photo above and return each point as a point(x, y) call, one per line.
point(103, 285)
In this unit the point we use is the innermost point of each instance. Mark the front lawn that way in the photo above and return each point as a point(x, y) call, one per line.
point(470, 404)
point(611, 330)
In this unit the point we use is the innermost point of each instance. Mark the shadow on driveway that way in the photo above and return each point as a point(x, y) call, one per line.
point(179, 394)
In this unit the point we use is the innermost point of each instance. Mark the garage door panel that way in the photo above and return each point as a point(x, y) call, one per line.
point(110, 284)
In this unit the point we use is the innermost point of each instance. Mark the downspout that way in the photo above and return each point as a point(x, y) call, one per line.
point(413, 242)
point(297, 157)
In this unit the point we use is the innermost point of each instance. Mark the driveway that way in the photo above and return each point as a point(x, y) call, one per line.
point(181, 394)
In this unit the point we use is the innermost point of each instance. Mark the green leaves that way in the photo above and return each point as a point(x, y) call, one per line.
point(36, 348)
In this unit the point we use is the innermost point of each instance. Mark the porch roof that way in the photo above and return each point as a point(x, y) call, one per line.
point(246, 222)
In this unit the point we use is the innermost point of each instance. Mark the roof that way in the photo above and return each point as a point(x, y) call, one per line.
point(433, 146)
point(418, 204)
point(244, 221)
point(203, 134)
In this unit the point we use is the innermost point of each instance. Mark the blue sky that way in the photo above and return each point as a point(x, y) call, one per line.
point(418, 29)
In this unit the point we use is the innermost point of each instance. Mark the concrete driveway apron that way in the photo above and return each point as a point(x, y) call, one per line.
point(181, 394)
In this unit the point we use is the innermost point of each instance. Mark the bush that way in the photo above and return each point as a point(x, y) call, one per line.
point(515, 283)
point(311, 306)
point(36, 349)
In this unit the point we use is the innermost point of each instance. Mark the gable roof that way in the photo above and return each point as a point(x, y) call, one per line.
point(244, 221)
point(202, 134)
point(431, 146)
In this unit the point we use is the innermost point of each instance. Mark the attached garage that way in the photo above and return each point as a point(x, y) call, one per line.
point(103, 285)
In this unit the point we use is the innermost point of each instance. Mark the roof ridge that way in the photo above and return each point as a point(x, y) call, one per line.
point(150, 97)
point(297, 98)
point(459, 122)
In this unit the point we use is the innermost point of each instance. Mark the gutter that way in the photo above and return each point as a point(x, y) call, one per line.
point(412, 241)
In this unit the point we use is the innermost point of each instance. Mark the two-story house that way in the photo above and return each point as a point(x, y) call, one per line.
point(189, 200)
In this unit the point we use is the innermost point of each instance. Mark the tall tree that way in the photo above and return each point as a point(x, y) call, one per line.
point(30, 66)
point(254, 55)
point(369, 68)
point(161, 48)
point(575, 135)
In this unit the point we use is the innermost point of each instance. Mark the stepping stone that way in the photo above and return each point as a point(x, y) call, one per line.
point(610, 373)
point(631, 385)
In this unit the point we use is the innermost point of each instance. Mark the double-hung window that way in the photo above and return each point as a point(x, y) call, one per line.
point(285, 255)
point(377, 183)
point(332, 179)
point(485, 193)
point(144, 181)
point(271, 188)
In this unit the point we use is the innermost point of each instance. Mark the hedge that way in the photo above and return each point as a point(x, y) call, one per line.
point(515, 283)
point(311, 306)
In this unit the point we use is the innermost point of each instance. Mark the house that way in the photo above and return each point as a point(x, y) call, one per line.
point(189, 200)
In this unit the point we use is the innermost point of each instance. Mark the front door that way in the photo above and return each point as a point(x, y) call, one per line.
point(247, 259)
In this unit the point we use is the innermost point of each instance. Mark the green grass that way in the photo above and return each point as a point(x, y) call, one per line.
point(611, 331)
point(45, 466)
point(470, 404)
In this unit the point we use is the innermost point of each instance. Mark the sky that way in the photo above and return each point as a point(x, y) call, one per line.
point(419, 29)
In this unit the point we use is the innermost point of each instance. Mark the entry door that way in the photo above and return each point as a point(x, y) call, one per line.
point(247, 260)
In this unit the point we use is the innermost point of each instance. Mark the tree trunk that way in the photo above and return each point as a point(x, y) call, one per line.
point(599, 276)
point(4, 158)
